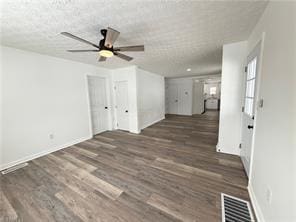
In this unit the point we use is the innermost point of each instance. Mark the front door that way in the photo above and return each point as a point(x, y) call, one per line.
point(249, 108)
point(122, 104)
point(98, 104)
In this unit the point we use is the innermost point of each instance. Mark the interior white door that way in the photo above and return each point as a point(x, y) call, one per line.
point(198, 98)
point(122, 105)
point(98, 104)
point(184, 100)
point(173, 98)
point(249, 108)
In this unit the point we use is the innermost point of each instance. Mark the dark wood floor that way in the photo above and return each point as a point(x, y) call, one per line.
point(170, 172)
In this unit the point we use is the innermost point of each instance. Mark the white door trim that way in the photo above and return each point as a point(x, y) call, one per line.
point(261, 42)
point(257, 49)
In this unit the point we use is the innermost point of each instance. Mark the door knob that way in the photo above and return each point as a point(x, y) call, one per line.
point(126, 111)
point(250, 127)
point(106, 107)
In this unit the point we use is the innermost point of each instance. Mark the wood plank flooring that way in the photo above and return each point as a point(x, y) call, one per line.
point(169, 172)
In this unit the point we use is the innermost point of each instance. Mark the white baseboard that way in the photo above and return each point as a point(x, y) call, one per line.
point(220, 149)
point(155, 121)
point(135, 132)
point(217, 148)
point(255, 204)
point(36, 155)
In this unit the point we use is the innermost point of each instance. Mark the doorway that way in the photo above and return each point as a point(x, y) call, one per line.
point(249, 107)
point(98, 104)
point(180, 98)
point(212, 94)
point(122, 105)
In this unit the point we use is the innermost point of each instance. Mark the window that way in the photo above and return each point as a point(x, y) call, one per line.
point(250, 87)
point(213, 90)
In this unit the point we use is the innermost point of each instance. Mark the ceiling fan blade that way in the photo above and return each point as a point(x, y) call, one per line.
point(83, 50)
point(79, 39)
point(111, 37)
point(122, 56)
point(102, 59)
point(133, 48)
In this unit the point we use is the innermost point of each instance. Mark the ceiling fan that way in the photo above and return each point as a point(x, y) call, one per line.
point(105, 46)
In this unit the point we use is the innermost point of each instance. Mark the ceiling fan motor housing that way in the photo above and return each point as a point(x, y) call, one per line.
point(102, 41)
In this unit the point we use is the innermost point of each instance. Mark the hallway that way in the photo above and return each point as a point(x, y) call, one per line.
point(169, 172)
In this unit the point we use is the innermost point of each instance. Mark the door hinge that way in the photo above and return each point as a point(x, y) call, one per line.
point(117, 124)
point(240, 146)
point(246, 69)
point(114, 87)
point(243, 109)
point(260, 103)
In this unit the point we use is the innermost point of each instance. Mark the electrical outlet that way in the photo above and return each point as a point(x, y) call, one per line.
point(51, 136)
point(268, 195)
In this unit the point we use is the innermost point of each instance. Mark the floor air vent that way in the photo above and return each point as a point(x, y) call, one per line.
point(235, 209)
point(14, 168)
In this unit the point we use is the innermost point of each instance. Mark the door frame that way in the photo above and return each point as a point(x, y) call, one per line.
point(258, 49)
point(107, 89)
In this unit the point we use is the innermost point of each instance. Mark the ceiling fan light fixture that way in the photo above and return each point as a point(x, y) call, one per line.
point(105, 46)
point(106, 53)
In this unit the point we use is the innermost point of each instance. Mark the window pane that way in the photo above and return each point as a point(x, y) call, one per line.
point(213, 90)
point(250, 88)
point(249, 106)
point(246, 105)
point(249, 71)
point(253, 74)
point(252, 69)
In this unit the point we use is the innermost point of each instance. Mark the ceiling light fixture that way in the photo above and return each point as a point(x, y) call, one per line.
point(188, 70)
point(106, 53)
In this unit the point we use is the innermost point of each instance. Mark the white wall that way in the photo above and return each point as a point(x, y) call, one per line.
point(1, 108)
point(42, 95)
point(151, 98)
point(166, 92)
point(233, 62)
point(128, 74)
point(275, 134)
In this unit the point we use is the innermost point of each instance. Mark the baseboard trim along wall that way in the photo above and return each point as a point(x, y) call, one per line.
point(255, 205)
point(151, 123)
point(43, 153)
point(221, 149)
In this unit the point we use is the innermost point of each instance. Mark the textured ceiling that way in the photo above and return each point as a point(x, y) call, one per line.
point(177, 34)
